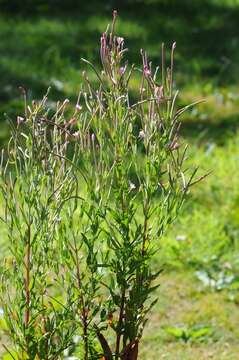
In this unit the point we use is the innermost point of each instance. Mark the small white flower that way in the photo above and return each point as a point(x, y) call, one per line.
point(78, 107)
point(181, 237)
point(76, 135)
point(20, 120)
point(141, 134)
point(132, 186)
point(120, 40)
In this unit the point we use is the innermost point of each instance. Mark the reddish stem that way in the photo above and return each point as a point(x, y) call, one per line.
point(120, 322)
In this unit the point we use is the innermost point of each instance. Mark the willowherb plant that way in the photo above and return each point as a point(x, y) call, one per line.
point(86, 202)
point(35, 183)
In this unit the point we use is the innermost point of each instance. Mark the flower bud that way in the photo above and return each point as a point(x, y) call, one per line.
point(120, 40)
point(72, 121)
point(122, 70)
point(141, 134)
point(20, 120)
point(147, 71)
point(78, 107)
point(76, 135)
point(66, 101)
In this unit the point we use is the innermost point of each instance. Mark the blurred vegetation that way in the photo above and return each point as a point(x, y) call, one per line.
point(41, 45)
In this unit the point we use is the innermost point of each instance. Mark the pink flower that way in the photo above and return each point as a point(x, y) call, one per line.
point(122, 70)
point(174, 145)
point(147, 71)
point(78, 107)
point(76, 135)
point(72, 121)
point(103, 47)
point(103, 41)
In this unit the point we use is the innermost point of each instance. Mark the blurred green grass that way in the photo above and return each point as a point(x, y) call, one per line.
point(44, 49)
point(41, 46)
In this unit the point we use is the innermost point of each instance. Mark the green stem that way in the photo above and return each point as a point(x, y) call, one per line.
point(84, 316)
point(27, 283)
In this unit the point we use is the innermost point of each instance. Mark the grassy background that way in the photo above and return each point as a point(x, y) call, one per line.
point(41, 45)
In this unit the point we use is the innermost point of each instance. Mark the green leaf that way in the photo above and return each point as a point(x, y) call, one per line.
point(175, 331)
